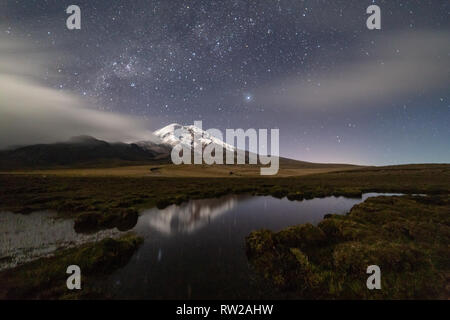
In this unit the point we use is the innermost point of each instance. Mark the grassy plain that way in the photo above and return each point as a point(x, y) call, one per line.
point(412, 233)
point(73, 192)
point(181, 171)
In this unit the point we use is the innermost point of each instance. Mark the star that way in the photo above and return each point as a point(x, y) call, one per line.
point(245, 61)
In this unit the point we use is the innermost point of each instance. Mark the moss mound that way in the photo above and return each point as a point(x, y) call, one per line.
point(46, 278)
point(407, 237)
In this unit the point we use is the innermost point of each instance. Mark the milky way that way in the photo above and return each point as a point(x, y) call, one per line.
point(336, 90)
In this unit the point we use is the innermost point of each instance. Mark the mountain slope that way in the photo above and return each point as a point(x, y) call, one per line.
point(82, 150)
point(86, 151)
point(175, 133)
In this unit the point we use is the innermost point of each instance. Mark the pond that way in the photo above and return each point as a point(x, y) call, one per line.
point(197, 250)
point(26, 237)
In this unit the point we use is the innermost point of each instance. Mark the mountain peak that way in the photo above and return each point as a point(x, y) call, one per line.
point(168, 129)
point(175, 133)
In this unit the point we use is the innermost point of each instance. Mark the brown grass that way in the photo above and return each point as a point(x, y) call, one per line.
point(171, 170)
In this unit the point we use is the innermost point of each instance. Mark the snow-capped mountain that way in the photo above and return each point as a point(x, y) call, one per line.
point(175, 133)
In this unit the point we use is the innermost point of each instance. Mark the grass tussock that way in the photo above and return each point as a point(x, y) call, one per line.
point(407, 237)
point(46, 278)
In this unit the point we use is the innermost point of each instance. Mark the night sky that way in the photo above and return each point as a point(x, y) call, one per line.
point(337, 91)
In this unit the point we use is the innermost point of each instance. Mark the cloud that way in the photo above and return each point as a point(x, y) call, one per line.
point(31, 112)
point(403, 65)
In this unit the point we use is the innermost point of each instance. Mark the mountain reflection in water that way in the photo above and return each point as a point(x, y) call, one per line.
point(197, 250)
point(187, 217)
point(194, 250)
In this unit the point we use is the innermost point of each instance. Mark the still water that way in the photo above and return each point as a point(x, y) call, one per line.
point(24, 238)
point(197, 250)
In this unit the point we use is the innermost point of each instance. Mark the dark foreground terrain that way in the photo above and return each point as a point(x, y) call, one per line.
point(45, 278)
point(408, 237)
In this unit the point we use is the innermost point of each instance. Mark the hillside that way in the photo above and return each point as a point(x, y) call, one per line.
point(89, 152)
point(82, 151)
